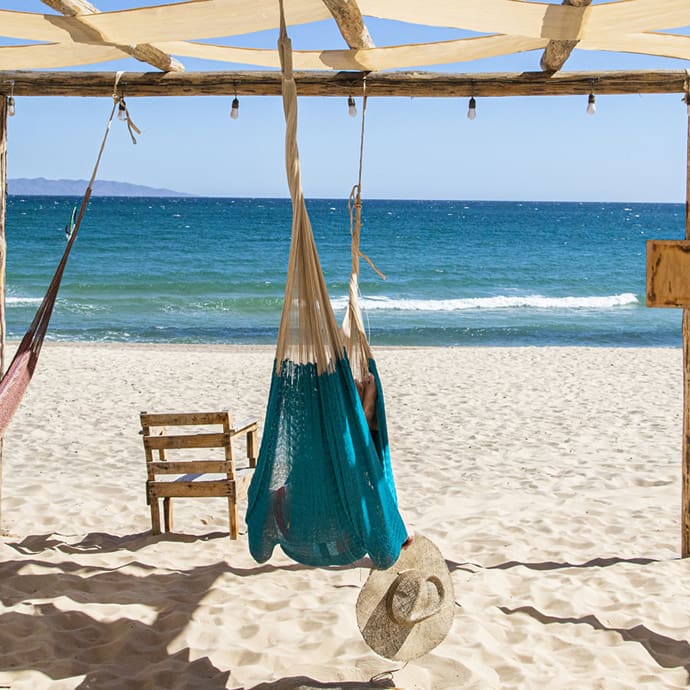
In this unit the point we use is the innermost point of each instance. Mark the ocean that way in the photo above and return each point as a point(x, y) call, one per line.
point(210, 270)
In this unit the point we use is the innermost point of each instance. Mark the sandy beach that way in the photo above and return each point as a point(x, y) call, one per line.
point(548, 477)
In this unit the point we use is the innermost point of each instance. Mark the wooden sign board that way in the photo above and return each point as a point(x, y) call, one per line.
point(668, 273)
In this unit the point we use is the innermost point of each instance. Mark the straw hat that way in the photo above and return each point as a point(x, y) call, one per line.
point(407, 610)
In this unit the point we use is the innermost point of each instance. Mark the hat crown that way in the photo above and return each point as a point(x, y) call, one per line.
point(414, 597)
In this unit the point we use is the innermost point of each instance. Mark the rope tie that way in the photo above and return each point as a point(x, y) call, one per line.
point(123, 113)
point(354, 204)
point(354, 207)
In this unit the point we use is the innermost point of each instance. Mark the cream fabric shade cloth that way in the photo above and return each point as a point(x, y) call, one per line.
point(184, 29)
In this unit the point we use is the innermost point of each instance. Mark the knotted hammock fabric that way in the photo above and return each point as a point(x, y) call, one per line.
point(16, 379)
point(323, 488)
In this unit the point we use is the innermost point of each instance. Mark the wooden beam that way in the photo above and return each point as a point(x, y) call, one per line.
point(685, 488)
point(557, 52)
point(3, 251)
point(349, 19)
point(144, 52)
point(389, 84)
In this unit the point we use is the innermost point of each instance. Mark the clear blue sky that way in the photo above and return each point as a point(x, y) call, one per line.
point(539, 148)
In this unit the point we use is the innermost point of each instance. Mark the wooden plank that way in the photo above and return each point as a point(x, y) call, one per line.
point(418, 84)
point(348, 17)
point(144, 52)
point(245, 426)
point(179, 441)
point(187, 466)
point(252, 447)
point(167, 514)
point(668, 273)
point(184, 418)
point(685, 472)
point(192, 489)
point(558, 51)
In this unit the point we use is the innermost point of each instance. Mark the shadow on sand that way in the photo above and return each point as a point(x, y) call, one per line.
point(306, 683)
point(666, 651)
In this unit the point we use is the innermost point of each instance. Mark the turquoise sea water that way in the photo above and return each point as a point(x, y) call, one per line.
point(201, 270)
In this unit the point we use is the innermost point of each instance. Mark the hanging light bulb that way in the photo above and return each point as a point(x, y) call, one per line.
point(10, 102)
point(351, 107)
point(122, 110)
point(235, 108)
point(686, 100)
point(472, 109)
point(591, 105)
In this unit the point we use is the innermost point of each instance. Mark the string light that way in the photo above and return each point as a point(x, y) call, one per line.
point(351, 107)
point(122, 110)
point(235, 108)
point(591, 104)
point(472, 109)
point(235, 105)
point(10, 102)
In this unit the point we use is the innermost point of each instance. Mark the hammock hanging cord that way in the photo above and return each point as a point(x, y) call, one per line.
point(354, 332)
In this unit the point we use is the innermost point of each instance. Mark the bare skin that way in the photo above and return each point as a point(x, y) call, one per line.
point(368, 395)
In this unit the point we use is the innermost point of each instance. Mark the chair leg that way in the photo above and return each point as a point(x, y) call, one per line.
point(232, 509)
point(167, 514)
point(155, 517)
point(251, 448)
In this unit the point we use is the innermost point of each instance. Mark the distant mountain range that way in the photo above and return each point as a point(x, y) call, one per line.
point(40, 186)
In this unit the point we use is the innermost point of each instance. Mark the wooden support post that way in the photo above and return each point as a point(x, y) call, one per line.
point(685, 491)
point(3, 249)
point(668, 285)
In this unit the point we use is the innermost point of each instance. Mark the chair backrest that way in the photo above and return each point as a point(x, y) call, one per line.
point(189, 437)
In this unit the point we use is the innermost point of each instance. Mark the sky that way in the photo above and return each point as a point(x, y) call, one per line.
point(517, 148)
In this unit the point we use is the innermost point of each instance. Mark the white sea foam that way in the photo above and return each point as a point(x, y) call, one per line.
point(497, 302)
point(18, 301)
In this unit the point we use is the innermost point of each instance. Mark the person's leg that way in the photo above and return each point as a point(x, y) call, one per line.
point(369, 397)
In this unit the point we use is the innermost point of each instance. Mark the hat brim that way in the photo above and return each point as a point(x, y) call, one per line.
point(380, 631)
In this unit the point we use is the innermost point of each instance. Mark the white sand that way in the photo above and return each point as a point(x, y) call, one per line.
point(549, 478)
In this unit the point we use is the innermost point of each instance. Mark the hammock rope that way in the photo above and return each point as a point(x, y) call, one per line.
point(321, 489)
point(354, 332)
point(16, 379)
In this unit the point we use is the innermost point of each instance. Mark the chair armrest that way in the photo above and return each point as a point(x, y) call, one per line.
point(244, 426)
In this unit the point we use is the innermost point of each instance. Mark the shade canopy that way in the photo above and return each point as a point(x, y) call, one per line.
point(74, 33)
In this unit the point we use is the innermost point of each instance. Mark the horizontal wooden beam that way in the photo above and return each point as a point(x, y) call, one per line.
point(417, 84)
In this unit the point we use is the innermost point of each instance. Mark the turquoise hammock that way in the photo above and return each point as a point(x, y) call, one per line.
point(323, 488)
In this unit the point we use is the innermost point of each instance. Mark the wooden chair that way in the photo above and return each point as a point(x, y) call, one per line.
point(200, 477)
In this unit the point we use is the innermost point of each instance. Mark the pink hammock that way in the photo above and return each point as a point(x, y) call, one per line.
point(16, 379)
